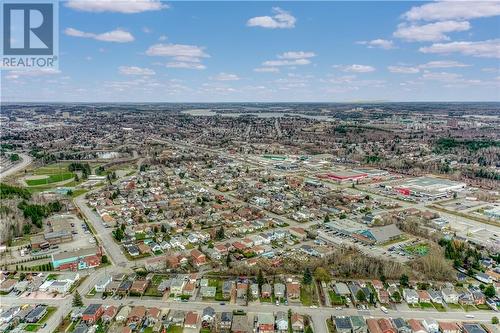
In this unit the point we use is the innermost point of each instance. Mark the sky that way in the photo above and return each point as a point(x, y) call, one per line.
point(180, 51)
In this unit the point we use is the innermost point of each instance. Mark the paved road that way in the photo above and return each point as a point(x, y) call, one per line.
point(26, 160)
point(103, 234)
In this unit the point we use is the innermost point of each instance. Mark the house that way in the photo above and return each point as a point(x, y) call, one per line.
point(124, 287)
point(191, 320)
point(189, 289)
point(225, 321)
point(81, 328)
point(484, 278)
point(341, 289)
point(479, 297)
point(240, 324)
point(279, 290)
point(156, 264)
point(254, 290)
point(416, 326)
point(266, 290)
point(227, 288)
point(153, 315)
point(208, 292)
point(448, 327)
point(449, 295)
point(410, 296)
point(176, 317)
point(401, 325)
point(77, 313)
point(265, 322)
point(198, 258)
point(101, 285)
point(435, 296)
point(92, 313)
point(207, 317)
point(7, 285)
point(386, 326)
point(373, 326)
point(358, 324)
point(139, 287)
point(123, 314)
point(176, 286)
point(383, 296)
point(297, 321)
point(241, 290)
point(472, 328)
point(109, 313)
point(293, 290)
point(282, 321)
point(342, 324)
point(136, 316)
point(431, 325)
point(423, 296)
point(36, 314)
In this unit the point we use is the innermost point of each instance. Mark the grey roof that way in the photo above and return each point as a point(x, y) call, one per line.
point(92, 309)
point(473, 328)
point(342, 323)
point(385, 233)
point(36, 313)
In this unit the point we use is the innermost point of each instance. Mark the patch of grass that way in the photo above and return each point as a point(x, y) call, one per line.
point(468, 308)
point(306, 295)
point(78, 192)
point(51, 277)
point(439, 307)
point(483, 307)
point(454, 306)
point(50, 312)
point(55, 178)
point(426, 306)
point(336, 299)
point(329, 324)
point(174, 329)
point(32, 327)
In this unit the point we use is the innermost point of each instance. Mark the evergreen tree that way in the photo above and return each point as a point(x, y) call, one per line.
point(307, 279)
point(260, 278)
point(77, 299)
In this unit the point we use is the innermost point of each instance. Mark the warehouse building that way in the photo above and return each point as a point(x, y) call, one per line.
point(77, 259)
point(430, 187)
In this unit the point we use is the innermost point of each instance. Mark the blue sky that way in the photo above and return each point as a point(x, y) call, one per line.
point(150, 51)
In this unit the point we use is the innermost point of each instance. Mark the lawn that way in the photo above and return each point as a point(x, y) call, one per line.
point(174, 329)
point(78, 192)
point(51, 169)
point(306, 295)
point(468, 308)
point(331, 328)
point(32, 327)
point(152, 290)
point(418, 249)
point(51, 277)
point(426, 306)
point(50, 312)
point(336, 299)
point(454, 306)
point(51, 179)
point(439, 307)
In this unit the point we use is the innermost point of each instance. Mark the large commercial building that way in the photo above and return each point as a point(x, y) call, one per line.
point(343, 176)
point(77, 259)
point(429, 187)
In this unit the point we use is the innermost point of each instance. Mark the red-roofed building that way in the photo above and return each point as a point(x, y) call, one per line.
point(198, 258)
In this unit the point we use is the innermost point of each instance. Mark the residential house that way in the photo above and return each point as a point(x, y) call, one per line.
point(136, 316)
point(282, 322)
point(227, 288)
point(386, 326)
point(266, 290)
point(36, 314)
point(208, 292)
point(225, 321)
point(297, 321)
point(416, 326)
point(342, 324)
point(101, 285)
point(240, 324)
point(410, 296)
point(449, 295)
point(293, 290)
point(176, 317)
point(448, 327)
point(208, 317)
point(358, 324)
point(472, 328)
point(189, 289)
point(254, 290)
point(176, 286)
point(109, 314)
point(198, 258)
point(92, 313)
point(123, 314)
point(241, 290)
point(423, 296)
point(265, 323)
point(139, 287)
point(373, 326)
point(401, 325)
point(279, 290)
point(191, 320)
point(431, 325)
point(435, 296)
point(153, 316)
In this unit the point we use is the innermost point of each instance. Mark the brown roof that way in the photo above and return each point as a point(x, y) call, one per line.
point(191, 318)
point(416, 325)
point(154, 312)
point(373, 326)
point(447, 326)
point(137, 311)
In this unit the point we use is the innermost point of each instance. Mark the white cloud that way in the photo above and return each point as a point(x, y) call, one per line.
point(456, 10)
point(117, 36)
point(431, 32)
point(296, 55)
point(443, 64)
point(14, 74)
point(185, 65)
point(266, 69)
point(118, 6)
point(274, 63)
point(484, 49)
point(441, 76)
point(183, 56)
point(403, 69)
point(281, 20)
point(162, 38)
point(134, 70)
point(177, 50)
point(225, 77)
point(355, 68)
point(378, 43)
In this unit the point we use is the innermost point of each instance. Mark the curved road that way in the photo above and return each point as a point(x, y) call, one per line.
point(26, 160)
